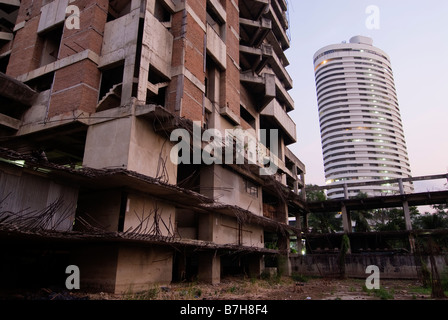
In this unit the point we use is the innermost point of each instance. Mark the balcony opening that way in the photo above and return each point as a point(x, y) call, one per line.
point(270, 128)
point(162, 14)
point(189, 176)
point(51, 41)
point(157, 86)
point(215, 22)
point(110, 88)
point(117, 9)
point(212, 80)
point(41, 83)
point(246, 116)
point(4, 61)
point(273, 207)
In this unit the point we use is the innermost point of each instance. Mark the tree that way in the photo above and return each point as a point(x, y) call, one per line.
point(393, 219)
point(361, 217)
point(436, 220)
point(322, 222)
point(315, 195)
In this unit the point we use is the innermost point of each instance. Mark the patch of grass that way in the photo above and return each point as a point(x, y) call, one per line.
point(299, 277)
point(238, 289)
point(384, 294)
point(444, 279)
point(426, 288)
point(191, 292)
point(421, 290)
point(381, 293)
point(265, 275)
point(151, 294)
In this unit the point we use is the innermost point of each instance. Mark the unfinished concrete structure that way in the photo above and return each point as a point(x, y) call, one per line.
point(85, 123)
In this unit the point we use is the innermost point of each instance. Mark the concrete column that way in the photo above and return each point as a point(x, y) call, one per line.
point(346, 220)
point(209, 269)
point(256, 266)
point(303, 193)
point(407, 219)
point(305, 222)
point(407, 215)
point(283, 262)
point(296, 182)
point(345, 191)
point(298, 222)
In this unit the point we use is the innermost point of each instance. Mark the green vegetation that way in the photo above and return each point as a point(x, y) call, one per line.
point(150, 294)
point(381, 293)
point(322, 222)
point(299, 277)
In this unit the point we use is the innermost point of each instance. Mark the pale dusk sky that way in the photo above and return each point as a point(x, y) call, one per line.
point(415, 36)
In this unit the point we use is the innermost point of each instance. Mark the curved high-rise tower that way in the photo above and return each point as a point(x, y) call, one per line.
point(361, 129)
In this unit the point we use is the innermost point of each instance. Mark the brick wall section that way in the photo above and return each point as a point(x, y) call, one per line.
point(177, 60)
point(81, 79)
point(27, 51)
point(188, 50)
point(184, 96)
point(230, 92)
point(192, 102)
point(93, 15)
point(27, 46)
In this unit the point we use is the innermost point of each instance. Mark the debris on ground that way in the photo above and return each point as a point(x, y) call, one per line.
point(240, 288)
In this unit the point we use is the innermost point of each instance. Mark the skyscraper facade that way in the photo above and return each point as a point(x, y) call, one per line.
point(360, 123)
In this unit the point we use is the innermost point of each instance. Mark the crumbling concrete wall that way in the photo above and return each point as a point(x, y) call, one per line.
point(147, 215)
point(139, 268)
point(103, 206)
point(98, 266)
point(392, 266)
point(227, 231)
point(29, 195)
point(129, 143)
point(230, 188)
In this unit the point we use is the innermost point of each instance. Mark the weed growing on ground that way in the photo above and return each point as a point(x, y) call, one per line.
point(299, 277)
point(151, 294)
point(381, 293)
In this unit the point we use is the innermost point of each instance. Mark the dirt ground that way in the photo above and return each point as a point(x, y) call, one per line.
point(281, 289)
point(239, 288)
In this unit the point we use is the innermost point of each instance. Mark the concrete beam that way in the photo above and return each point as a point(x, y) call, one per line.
point(415, 199)
point(59, 64)
point(15, 90)
point(376, 182)
point(275, 110)
point(9, 122)
point(15, 3)
point(8, 36)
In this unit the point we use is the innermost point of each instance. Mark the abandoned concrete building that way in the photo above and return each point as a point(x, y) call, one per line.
point(86, 116)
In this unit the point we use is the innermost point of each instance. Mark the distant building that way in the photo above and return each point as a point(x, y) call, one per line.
point(360, 124)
